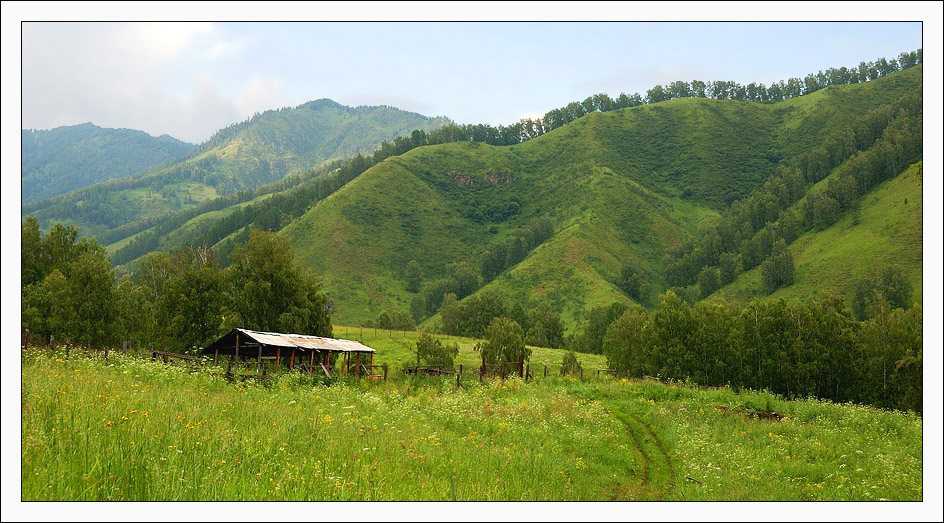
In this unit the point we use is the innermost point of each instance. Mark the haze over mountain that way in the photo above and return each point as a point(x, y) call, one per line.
point(59, 160)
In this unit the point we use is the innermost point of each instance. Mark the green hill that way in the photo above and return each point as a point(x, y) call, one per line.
point(261, 150)
point(619, 187)
point(63, 159)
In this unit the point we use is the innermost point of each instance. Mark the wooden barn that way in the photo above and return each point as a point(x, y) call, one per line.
point(310, 353)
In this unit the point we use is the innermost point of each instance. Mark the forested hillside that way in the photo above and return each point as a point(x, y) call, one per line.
point(261, 150)
point(620, 189)
point(67, 158)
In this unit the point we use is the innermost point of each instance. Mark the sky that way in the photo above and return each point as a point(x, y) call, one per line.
point(190, 79)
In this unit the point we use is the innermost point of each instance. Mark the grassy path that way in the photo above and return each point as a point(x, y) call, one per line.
point(656, 476)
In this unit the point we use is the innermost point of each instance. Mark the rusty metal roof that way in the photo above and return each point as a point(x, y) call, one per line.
point(303, 341)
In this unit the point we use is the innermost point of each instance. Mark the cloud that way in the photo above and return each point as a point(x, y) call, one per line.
point(160, 42)
point(136, 75)
point(259, 95)
point(224, 46)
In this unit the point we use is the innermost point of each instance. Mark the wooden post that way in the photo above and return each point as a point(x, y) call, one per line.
point(457, 379)
point(106, 352)
point(131, 345)
point(216, 354)
point(26, 339)
point(545, 371)
point(68, 347)
point(259, 360)
point(385, 372)
point(52, 342)
point(292, 364)
point(521, 367)
point(357, 365)
point(124, 347)
point(311, 364)
point(581, 373)
point(278, 355)
point(527, 372)
point(236, 356)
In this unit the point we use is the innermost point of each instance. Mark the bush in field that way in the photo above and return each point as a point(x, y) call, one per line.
point(432, 351)
point(504, 342)
point(570, 365)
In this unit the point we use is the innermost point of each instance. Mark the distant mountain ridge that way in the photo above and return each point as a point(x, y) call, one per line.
point(63, 159)
point(260, 150)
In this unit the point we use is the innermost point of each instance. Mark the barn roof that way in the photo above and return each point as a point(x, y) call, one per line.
point(304, 342)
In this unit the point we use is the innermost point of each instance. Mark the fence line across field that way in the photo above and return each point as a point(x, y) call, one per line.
point(258, 366)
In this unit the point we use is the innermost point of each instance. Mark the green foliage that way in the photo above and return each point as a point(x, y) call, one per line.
point(433, 351)
point(504, 342)
point(67, 287)
point(570, 365)
point(727, 268)
point(777, 270)
point(396, 320)
point(414, 276)
point(626, 343)
point(633, 283)
point(888, 288)
point(598, 321)
point(709, 279)
point(189, 308)
point(892, 355)
point(546, 329)
point(800, 349)
point(270, 293)
point(471, 316)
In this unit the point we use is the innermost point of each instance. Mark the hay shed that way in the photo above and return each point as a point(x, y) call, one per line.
point(309, 351)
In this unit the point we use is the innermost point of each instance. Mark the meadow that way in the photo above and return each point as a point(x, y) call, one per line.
point(129, 429)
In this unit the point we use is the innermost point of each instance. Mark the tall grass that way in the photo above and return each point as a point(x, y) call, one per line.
point(129, 429)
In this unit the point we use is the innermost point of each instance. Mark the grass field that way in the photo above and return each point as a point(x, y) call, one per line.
point(129, 429)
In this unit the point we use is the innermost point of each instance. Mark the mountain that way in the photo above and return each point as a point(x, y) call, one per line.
point(261, 150)
point(620, 188)
point(63, 159)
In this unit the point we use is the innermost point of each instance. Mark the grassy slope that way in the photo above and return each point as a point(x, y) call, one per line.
point(622, 185)
point(889, 233)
